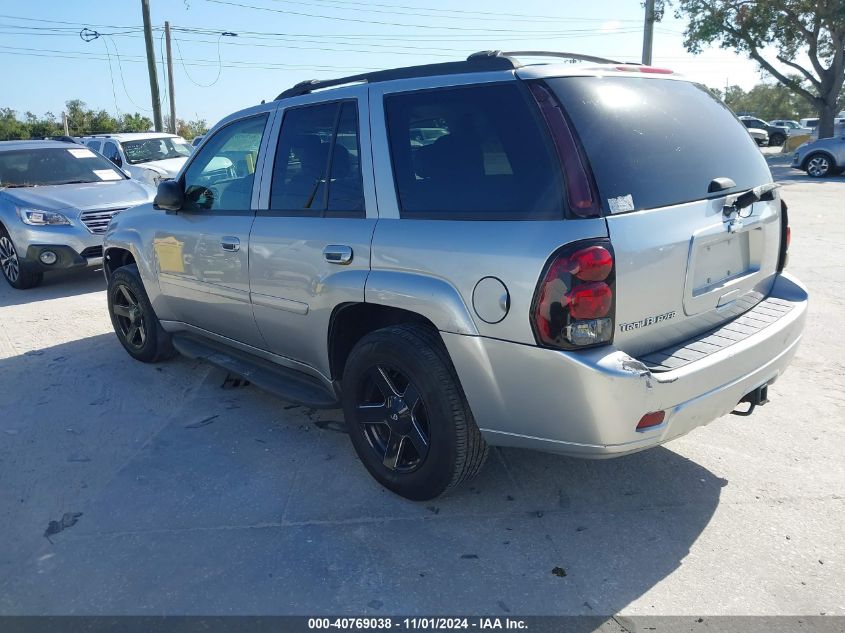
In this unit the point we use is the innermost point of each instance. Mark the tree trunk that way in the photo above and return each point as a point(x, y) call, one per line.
point(827, 112)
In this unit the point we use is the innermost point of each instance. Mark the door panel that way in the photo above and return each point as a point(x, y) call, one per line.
point(202, 251)
point(319, 196)
point(295, 289)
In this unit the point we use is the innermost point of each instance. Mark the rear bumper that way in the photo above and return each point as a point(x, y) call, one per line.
point(588, 403)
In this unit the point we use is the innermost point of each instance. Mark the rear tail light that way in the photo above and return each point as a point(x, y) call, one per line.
point(785, 237)
point(583, 200)
point(574, 303)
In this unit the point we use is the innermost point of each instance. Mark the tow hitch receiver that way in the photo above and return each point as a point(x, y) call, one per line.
point(753, 398)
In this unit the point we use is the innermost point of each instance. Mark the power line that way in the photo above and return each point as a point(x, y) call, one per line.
point(362, 21)
point(436, 12)
point(219, 64)
point(123, 80)
point(38, 52)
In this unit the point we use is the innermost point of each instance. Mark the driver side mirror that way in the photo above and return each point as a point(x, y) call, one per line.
point(170, 195)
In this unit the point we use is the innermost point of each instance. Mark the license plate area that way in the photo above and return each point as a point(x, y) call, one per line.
point(722, 267)
point(720, 260)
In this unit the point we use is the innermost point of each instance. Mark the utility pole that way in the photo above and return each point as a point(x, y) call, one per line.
point(151, 65)
point(170, 78)
point(648, 32)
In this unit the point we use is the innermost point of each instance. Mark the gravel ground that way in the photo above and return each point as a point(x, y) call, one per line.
point(201, 499)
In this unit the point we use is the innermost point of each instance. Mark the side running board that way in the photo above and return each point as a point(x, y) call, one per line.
point(283, 382)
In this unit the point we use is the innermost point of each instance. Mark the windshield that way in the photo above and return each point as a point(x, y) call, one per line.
point(40, 166)
point(644, 140)
point(149, 149)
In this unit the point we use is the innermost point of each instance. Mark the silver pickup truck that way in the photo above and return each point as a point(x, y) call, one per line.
point(474, 253)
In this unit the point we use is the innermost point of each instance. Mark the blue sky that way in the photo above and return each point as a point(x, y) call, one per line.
point(45, 62)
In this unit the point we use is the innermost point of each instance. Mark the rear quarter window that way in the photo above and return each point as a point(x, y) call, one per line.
point(655, 143)
point(475, 152)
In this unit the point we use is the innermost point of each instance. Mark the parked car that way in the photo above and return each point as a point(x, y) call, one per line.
point(553, 271)
point(776, 135)
point(65, 139)
point(760, 136)
point(793, 128)
point(56, 200)
point(821, 157)
point(146, 156)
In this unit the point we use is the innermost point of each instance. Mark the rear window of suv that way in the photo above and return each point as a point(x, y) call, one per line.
point(472, 153)
point(654, 143)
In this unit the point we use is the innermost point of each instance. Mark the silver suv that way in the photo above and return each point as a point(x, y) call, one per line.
point(474, 253)
point(56, 200)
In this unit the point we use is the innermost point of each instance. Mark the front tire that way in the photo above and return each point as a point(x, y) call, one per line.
point(135, 323)
point(819, 165)
point(407, 415)
point(14, 270)
point(777, 140)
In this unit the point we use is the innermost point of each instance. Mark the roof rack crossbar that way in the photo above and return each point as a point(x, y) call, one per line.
point(477, 62)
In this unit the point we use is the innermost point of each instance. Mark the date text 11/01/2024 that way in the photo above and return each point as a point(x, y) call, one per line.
point(420, 623)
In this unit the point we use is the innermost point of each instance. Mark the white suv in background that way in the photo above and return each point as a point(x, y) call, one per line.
point(146, 156)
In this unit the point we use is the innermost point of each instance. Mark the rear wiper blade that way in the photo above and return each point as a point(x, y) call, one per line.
point(756, 194)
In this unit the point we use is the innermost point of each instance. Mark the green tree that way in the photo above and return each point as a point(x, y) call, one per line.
point(815, 28)
point(187, 129)
point(10, 127)
point(767, 101)
point(135, 123)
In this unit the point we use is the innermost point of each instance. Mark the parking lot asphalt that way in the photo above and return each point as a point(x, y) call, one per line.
point(200, 497)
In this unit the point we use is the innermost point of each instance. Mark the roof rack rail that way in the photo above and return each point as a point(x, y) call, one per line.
point(474, 63)
point(477, 62)
point(574, 56)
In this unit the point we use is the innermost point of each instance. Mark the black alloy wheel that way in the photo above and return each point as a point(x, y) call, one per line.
point(132, 316)
point(407, 415)
point(129, 316)
point(394, 418)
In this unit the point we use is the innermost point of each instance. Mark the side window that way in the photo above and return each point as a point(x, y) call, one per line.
point(317, 170)
point(472, 153)
point(95, 145)
point(222, 173)
point(110, 151)
point(346, 188)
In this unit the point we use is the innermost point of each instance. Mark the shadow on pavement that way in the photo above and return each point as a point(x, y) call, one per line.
point(243, 504)
point(55, 285)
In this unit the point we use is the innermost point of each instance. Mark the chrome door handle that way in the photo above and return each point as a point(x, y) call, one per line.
point(337, 254)
point(231, 244)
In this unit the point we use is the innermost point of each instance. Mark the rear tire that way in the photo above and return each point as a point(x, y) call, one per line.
point(135, 323)
point(819, 165)
point(407, 415)
point(14, 270)
point(777, 140)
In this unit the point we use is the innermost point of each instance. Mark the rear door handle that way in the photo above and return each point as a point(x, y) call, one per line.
point(231, 244)
point(337, 254)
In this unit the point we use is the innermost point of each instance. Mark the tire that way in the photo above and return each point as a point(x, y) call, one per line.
point(135, 323)
point(14, 270)
point(418, 449)
point(819, 165)
point(777, 140)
